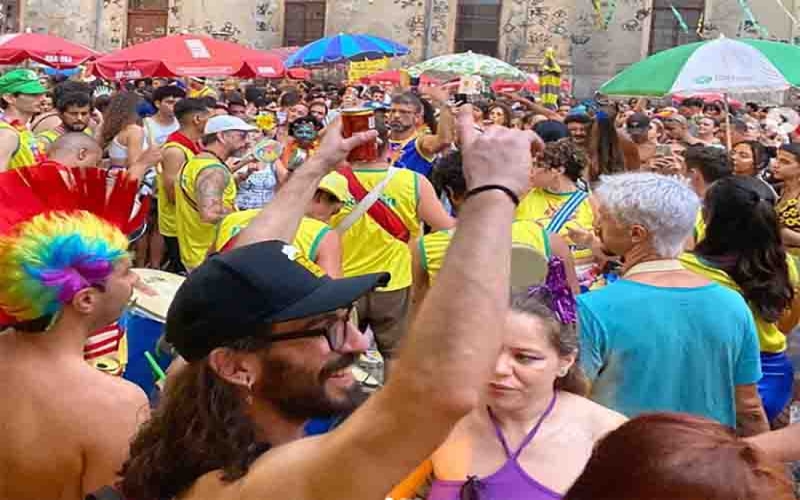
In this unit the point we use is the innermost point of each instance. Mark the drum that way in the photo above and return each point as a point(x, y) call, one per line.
point(143, 323)
point(528, 266)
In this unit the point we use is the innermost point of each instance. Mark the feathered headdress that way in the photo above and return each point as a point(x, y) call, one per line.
point(61, 231)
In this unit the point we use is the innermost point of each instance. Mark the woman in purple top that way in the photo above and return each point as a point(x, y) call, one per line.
point(536, 432)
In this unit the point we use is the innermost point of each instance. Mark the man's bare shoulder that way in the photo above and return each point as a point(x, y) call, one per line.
point(117, 393)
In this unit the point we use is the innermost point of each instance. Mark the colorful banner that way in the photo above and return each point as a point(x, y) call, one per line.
point(360, 69)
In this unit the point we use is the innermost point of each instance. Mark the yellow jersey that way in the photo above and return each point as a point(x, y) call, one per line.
point(194, 235)
point(542, 206)
point(366, 246)
point(167, 217)
point(433, 246)
point(770, 338)
point(29, 151)
point(308, 238)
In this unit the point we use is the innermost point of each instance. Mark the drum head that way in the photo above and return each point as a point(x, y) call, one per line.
point(528, 266)
point(164, 284)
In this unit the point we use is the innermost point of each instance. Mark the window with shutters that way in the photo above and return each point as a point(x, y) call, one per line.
point(304, 22)
point(665, 27)
point(478, 26)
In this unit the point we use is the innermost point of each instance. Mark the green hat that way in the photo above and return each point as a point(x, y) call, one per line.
point(21, 81)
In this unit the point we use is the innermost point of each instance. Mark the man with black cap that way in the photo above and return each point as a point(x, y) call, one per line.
point(269, 345)
point(638, 127)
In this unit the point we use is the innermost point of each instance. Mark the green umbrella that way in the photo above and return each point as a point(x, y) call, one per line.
point(468, 63)
point(721, 65)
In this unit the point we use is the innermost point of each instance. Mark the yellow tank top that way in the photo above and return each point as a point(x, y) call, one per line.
point(29, 151)
point(770, 338)
point(309, 235)
point(540, 205)
point(167, 218)
point(433, 246)
point(195, 236)
point(366, 246)
point(48, 137)
point(699, 227)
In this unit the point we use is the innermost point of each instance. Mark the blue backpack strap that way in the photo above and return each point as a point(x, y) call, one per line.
point(564, 214)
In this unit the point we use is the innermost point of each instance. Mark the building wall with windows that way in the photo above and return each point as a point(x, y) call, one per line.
point(591, 48)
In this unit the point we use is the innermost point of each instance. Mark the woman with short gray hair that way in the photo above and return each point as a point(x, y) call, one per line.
point(655, 340)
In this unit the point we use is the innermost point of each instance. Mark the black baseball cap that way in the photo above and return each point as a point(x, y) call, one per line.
point(231, 294)
point(638, 123)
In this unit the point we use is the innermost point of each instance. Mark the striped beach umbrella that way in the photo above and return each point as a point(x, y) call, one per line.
point(345, 47)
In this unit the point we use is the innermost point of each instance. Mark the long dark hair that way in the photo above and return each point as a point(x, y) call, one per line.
point(200, 426)
point(605, 144)
point(743, 239)
point(673, 455)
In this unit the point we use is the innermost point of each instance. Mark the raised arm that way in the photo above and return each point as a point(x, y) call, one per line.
point(446, 131)
point(447, 357)
point(281, 217)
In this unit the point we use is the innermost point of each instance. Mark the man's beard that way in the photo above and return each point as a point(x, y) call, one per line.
point(400, 127)
point(75, 127)
point(300, 394)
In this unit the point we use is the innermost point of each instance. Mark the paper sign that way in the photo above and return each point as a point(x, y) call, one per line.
point(360, 69)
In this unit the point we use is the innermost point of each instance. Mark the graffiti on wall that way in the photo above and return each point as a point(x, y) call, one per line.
point(225, 31)
point(266, 18)
point(531, 26)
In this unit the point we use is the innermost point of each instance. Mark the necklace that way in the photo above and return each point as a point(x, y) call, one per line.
point(654, 266)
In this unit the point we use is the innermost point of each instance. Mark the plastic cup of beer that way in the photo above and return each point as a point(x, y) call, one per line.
point(355, 120)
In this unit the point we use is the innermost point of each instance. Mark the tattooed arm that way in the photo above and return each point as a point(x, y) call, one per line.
point(210, 186)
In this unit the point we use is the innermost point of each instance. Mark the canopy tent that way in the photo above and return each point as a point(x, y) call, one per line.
point(187, 55)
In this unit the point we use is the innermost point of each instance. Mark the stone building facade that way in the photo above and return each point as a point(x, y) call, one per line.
point(591, 46)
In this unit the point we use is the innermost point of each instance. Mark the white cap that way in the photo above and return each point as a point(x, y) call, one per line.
point(225, 123)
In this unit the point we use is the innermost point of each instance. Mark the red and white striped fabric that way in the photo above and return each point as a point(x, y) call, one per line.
point(103, 342)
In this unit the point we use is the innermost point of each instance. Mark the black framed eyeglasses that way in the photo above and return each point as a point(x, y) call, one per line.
point(335, 332)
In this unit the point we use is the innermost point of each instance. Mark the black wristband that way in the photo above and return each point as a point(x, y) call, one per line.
point(490, 187)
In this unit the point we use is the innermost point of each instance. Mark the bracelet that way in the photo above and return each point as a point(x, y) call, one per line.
point(491, 187)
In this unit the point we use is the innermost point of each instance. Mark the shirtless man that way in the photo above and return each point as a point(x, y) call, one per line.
point(65, 426)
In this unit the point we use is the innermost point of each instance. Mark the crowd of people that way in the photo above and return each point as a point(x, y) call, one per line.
point(647, 359)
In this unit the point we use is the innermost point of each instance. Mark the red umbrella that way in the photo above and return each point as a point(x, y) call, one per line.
point(392, 77)
point(45, 49)
point(187, 55)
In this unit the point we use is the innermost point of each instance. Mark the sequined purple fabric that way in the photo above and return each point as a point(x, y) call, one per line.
point(563, 302)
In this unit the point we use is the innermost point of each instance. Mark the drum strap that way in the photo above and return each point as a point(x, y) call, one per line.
point(371, 204)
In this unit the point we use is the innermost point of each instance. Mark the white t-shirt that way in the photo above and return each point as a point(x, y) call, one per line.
point(159, 133)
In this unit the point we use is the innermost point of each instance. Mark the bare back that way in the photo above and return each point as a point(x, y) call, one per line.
point(65, 427)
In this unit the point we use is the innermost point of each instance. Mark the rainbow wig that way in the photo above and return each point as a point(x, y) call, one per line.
point(52, 257)
point(60, 232)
